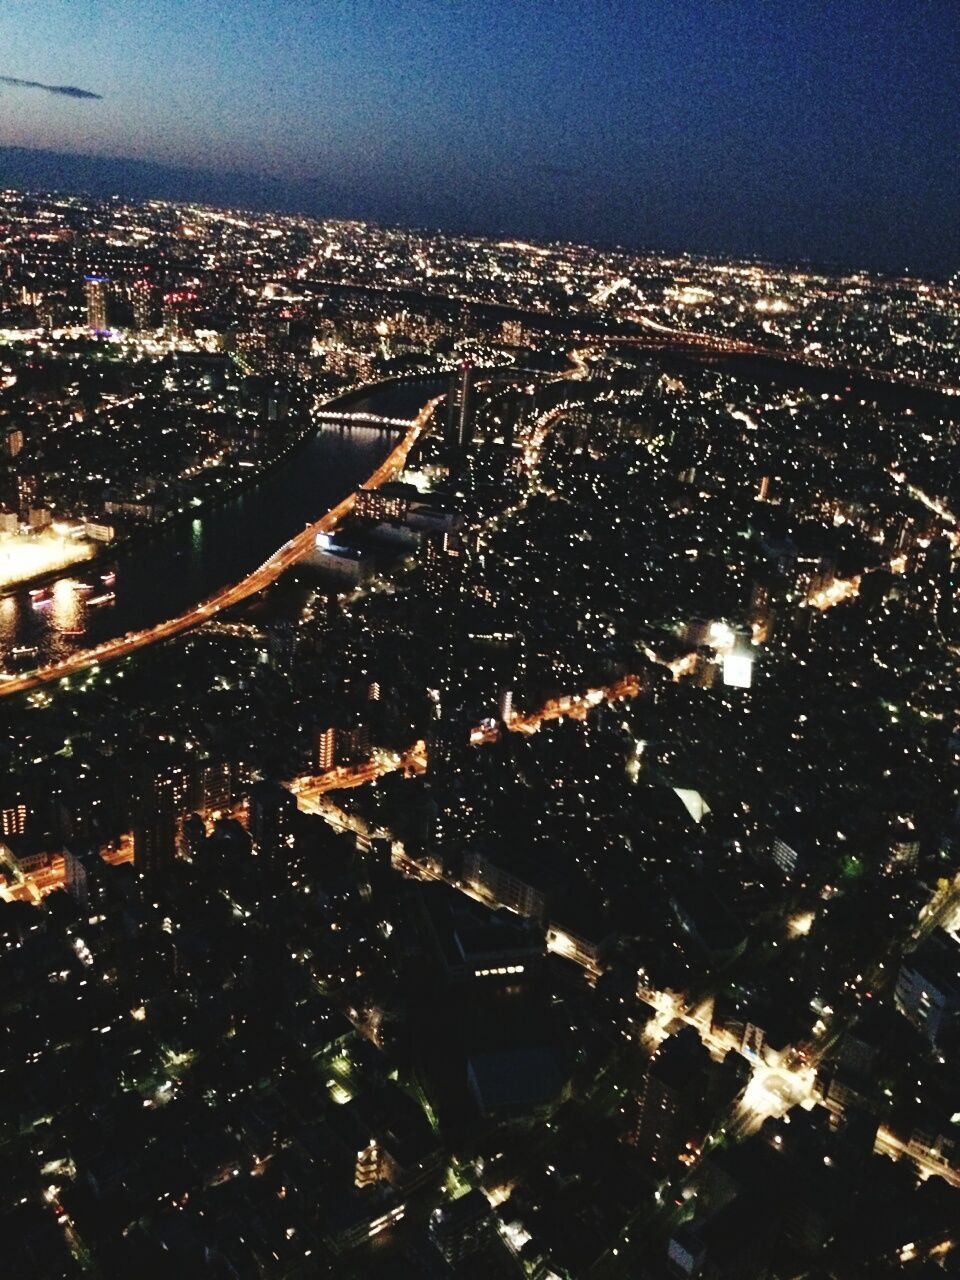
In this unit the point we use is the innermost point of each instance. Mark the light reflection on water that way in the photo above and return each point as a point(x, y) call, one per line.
point(66, 610)
point(9, 620)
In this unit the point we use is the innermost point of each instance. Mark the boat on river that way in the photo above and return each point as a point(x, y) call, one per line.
point(22, 657)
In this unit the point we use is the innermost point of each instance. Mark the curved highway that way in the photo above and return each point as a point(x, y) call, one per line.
point(267, 573)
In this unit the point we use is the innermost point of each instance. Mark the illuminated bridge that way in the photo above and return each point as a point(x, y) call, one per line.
point(362, 420)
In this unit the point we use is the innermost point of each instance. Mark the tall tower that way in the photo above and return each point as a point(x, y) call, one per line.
point(459, 432)
point(97, 289)
point(449, 752)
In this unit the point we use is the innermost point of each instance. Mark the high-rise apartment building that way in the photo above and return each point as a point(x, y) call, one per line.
point(163, 800)
point(97, 289)
point(273, 820)
point(28, 491)
point(176, 308)
point(141, 297)
point(672, 1107)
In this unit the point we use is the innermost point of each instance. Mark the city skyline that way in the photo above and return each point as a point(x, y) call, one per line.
point(481, 766)
point(815, 134)
point(479, 640)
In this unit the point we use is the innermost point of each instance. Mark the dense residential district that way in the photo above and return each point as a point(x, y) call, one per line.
point(548, 865)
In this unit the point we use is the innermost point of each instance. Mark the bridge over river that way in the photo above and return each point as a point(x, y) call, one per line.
point(195, 568)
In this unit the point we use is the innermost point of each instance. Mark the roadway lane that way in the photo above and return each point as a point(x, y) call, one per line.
point(577, 706)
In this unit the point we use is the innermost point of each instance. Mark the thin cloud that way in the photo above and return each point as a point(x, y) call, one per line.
point(63, 90)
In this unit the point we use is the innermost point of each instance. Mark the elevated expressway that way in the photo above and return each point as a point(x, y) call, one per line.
point(281, 560)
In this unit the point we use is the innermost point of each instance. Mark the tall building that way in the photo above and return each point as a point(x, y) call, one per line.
point(273, 820)
point(326, 747)
point(162, 801)
point(345, 740)
point(459, 426)
point(28, 491)
point(11, 441)
point(97, 289)
point(448, 739)
point(505, 705)
point(673, 1106)
point(928, 985)
point(461, 1227)
point(13, 816)
point(215, 785)
point(141, 297)
point(176, 306)
point(449, 760)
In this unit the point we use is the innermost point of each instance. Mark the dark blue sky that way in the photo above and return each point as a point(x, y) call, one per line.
point(785, 128)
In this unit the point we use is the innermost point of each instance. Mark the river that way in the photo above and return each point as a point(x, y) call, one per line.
point(185, 561)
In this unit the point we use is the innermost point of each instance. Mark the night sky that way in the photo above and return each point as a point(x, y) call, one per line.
point(789, 129)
